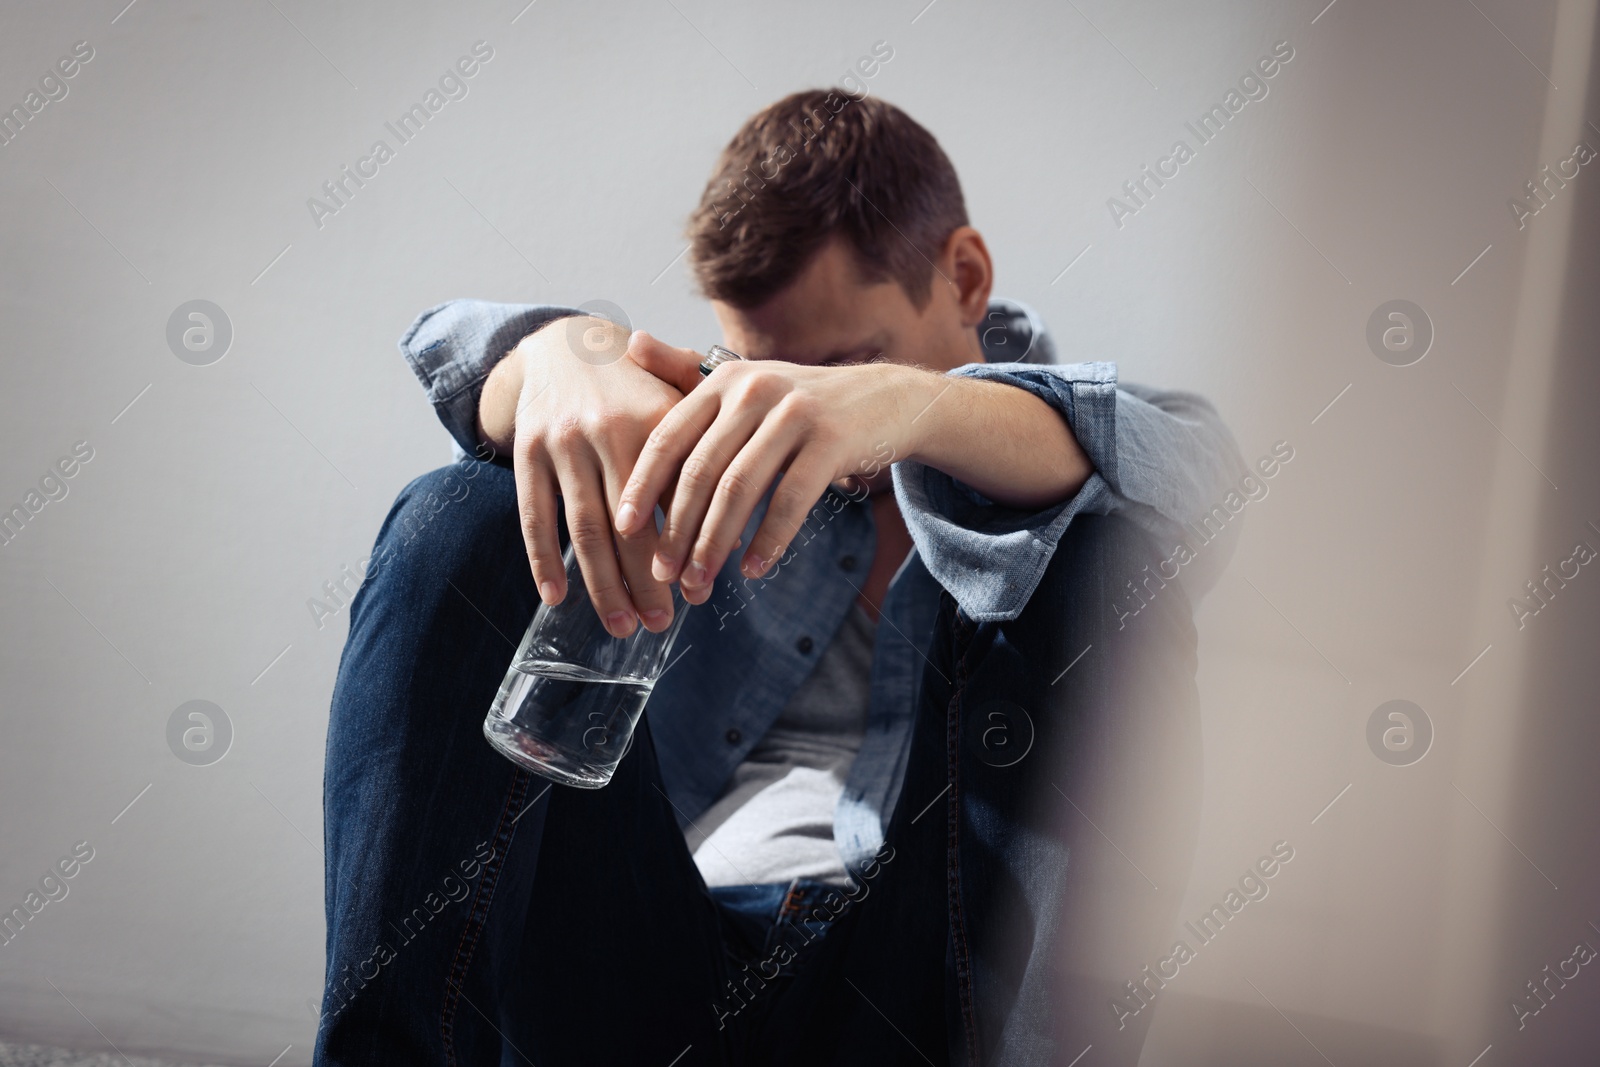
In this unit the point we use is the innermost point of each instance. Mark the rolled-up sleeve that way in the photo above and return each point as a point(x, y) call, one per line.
point(1161, 458)
point(453, 346)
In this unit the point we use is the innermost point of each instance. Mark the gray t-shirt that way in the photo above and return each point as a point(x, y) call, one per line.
point(774, 820)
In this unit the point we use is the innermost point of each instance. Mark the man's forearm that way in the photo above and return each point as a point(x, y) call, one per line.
point(998, 439)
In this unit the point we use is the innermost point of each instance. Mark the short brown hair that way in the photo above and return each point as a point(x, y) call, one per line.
point(814, 165)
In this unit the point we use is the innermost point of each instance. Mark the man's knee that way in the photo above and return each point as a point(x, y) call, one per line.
point(449, 509)
point(446, 583)
point(1101, 541)
point(1105, 589)
point(1119, 677)
point(457, 524)
point(467, 494)
point(1109, 566)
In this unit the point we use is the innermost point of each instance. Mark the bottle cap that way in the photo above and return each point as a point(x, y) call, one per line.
point(716, 355)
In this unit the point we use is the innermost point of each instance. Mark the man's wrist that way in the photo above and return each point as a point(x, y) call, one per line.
point(998, 439)
point(924, 391)
point(591, 339)
point(497, 404)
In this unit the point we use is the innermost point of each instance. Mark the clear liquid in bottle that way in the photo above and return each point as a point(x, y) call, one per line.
point(565, 722)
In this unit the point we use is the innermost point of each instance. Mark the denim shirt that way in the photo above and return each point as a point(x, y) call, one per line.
point(1161, 458)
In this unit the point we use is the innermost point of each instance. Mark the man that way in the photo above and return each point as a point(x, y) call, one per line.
point(921, 785)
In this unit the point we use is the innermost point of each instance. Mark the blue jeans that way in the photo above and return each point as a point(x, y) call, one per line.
point(1033, 867)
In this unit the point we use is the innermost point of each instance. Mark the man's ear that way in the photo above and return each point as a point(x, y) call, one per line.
point(678, 367)
point(965, 261)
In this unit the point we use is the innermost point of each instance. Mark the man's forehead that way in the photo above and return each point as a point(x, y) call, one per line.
point(828, 311)
point(809, 332)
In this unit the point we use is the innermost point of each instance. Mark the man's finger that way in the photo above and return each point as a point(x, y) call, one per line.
point(739, 490)
point(651, 597)
point(678, 367)
point(589, 525)
point(672, 440)
point(796, 494)
point(536, 506)
point(701, 478)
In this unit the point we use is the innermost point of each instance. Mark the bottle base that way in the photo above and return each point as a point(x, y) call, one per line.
point(533, 755)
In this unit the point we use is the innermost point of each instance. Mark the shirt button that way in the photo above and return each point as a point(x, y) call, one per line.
point(847, 563)
point(733, 737)
point(804, 645)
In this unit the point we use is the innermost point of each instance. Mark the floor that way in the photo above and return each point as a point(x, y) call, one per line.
point(40, 1056)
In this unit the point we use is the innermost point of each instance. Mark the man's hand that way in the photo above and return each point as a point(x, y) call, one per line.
point(738, 430)
point(573, 409)
point(746, 424)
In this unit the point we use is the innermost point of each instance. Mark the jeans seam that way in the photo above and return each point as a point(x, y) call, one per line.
point(962, 631)
point(478, 916)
